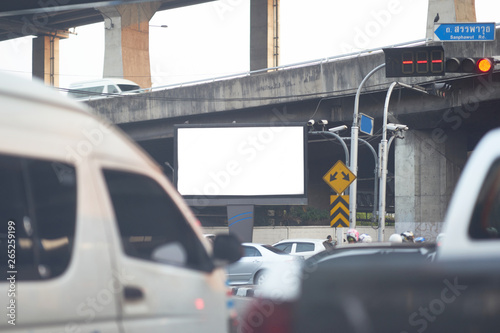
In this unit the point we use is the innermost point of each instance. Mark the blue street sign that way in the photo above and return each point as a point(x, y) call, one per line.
point(466, 32)
point(366, 124)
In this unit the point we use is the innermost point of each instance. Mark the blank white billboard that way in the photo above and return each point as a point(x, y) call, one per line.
point(238, 162)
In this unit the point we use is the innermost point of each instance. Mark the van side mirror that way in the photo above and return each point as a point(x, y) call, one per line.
point(226, 250)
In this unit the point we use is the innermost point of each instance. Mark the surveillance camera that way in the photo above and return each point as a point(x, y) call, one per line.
point(310, 122)
point(338, 128)
point(323, 122)
point(396, 127)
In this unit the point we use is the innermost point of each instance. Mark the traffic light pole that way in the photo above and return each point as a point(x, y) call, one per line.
point(383, 166)
point(383, 156)
point(375, 176)
point(354, 148)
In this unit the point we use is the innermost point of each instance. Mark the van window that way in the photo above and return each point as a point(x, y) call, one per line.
point(86, 92)
point(305, 247)
point(285, 247)
point(112, 89)
point(38, 207)
point(150, 224)
point(249, 251)
point(485, 222)
point(128, 87)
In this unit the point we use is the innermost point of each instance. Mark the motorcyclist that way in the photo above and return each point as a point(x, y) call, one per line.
point(352, 236)
point(407, 237)
point(365, 238)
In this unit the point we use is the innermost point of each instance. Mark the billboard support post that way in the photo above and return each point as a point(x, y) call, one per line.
point(240, 219)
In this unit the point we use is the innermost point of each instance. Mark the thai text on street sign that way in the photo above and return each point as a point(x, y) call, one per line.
point(465, 32)
point(339, 211)
point(339, 177)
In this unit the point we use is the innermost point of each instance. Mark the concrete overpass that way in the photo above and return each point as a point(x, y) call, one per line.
point(424, 167)
point(126, 24)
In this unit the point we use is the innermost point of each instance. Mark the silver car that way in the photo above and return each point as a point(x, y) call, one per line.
point(255, 264)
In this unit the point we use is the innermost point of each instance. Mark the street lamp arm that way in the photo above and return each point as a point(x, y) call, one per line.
point(346, 151)
point(358, 92)
point(386, 110)
point(374, 152)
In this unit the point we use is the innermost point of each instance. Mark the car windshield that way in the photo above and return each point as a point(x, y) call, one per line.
point(273, 249)
point(128, 87)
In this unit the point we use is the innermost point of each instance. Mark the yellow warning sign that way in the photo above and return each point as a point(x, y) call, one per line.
point(339, 177)
point(339, 211)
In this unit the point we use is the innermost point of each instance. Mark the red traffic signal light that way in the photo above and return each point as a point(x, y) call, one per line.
point(470, 65)
point(484, 65)
point(414, 61)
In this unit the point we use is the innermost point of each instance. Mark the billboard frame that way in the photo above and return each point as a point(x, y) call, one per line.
point(223, 200)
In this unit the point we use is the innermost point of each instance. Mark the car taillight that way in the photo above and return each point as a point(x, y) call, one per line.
point(265, 316)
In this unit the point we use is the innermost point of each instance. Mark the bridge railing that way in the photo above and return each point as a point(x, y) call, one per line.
point(281, 67)
point(277, 68)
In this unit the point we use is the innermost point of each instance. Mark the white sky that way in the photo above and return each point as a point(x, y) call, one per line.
point(212, 39)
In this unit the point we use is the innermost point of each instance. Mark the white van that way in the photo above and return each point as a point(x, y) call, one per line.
point(93, 237)
point(102, 88)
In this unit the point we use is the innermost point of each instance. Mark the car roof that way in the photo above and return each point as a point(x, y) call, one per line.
point(253, 244)
point(301, 240)
point(362, 249)
point(116, 81)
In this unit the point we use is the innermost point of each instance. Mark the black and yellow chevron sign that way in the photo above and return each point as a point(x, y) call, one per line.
point(339, 211)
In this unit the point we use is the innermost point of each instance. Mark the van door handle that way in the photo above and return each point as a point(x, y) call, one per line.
point(132, 293)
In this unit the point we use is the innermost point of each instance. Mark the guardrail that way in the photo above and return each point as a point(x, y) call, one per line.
point(281, 67)
point(277, 68)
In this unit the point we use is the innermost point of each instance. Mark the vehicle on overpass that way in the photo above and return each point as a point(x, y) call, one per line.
point(107, 87)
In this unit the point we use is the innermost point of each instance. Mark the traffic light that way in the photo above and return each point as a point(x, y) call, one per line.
point(470, 65)
point(414, 61)
point(439, 89)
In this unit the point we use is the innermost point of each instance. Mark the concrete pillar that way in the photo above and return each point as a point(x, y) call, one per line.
point(449, 11)
point(126, 51)
point(264, 34)
point(45, 59)
point(427, 167)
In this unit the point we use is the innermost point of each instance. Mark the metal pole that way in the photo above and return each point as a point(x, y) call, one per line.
point(354, 148)
point(375, 172)
point(346, 151)
point(383, 165)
